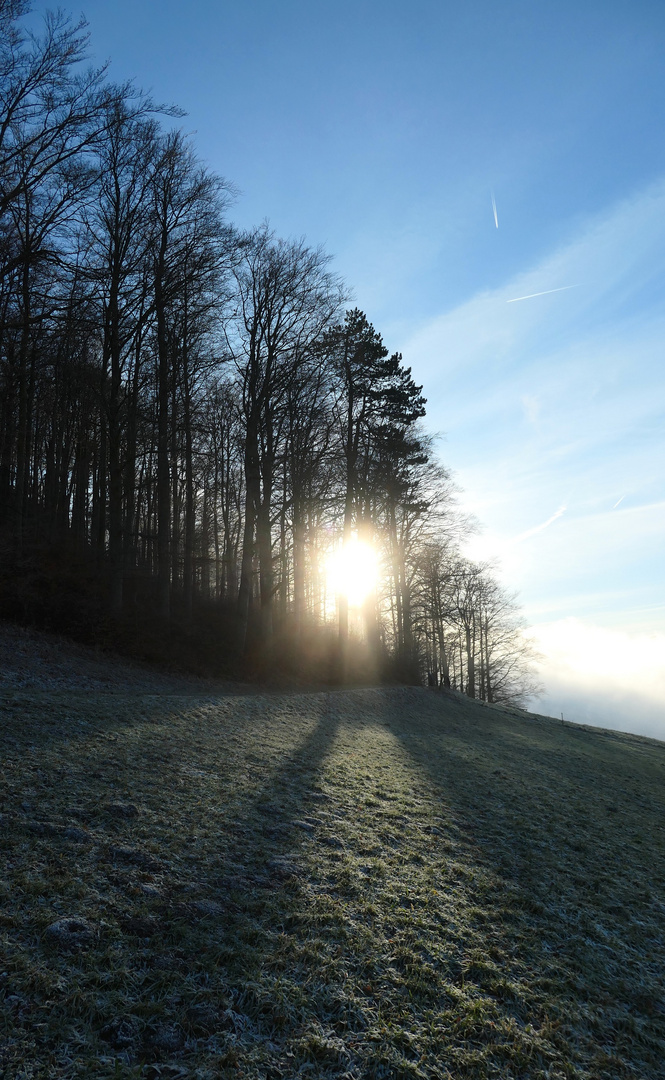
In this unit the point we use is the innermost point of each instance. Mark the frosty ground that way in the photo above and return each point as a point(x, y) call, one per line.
point(384, 882)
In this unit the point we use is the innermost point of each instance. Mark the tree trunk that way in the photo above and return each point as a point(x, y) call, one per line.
point(470, 665)
point(23, 409)
point(490, 694)
point(443, 652)
point(266, 573)
point(163, 464)
point(298, 569)
point(115, 458)
point(252, 499)
point(190, 511)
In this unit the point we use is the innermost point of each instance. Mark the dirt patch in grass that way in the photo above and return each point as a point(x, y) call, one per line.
point(373, 883)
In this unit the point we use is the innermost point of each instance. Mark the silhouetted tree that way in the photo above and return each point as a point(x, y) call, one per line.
point(286, 297)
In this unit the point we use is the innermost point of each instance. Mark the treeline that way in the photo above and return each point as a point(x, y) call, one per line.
point(192, 421)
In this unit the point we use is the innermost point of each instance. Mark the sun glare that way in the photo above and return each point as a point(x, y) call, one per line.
point(352, 571)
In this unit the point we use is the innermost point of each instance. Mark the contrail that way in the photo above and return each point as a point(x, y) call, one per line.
point(496, 220)
point(618, 501)
point(539, 528)
point(544, 293)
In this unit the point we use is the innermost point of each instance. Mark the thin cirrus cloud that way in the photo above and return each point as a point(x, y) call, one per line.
point(618, 256)
point(603, 565)
point(560, 402)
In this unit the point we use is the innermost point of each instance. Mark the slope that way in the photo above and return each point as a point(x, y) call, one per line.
point(367, 883)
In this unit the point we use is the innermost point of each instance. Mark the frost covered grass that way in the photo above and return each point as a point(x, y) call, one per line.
point(372, 883)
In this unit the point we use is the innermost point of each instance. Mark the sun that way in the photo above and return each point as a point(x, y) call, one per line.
point(352, 571)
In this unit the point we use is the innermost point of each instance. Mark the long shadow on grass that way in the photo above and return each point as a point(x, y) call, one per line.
point(231, 953)
point(533, 931)
point(264, 838)
point(197, 890)
point(544, 820)
point(236, 948)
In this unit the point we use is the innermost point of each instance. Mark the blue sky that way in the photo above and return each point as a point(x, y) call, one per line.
point(381, 129)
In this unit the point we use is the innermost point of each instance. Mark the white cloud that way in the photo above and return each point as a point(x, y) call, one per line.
point(614, 255)
point(568, 350)
point(559, 402)
point(585, 564)
point(531, 406)
point(595, 652)
point(602, 676)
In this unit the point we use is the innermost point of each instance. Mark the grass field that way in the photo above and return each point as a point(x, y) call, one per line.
point(372, 883)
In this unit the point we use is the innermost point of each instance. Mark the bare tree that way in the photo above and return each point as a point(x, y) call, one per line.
point(183, 409)
point(120, 230)
point(186, 212)
point(286, 297)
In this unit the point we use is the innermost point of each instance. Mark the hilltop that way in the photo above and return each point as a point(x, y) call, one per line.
point(383, 882)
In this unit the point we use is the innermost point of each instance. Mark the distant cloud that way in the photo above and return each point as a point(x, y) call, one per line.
point(531, 407)
point(559, 403)
point(601, 676)
point(617, 253)
point(554, 404)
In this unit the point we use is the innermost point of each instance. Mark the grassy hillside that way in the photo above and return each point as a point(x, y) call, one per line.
point(374, 883)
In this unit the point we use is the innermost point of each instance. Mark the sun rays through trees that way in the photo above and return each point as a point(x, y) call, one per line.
point(192, 426)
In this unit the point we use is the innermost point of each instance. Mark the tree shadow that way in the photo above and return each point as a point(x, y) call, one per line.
point(547, 821)
point(346, 880)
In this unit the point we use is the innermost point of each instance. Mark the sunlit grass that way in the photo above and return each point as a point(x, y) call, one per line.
point(380, 883)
